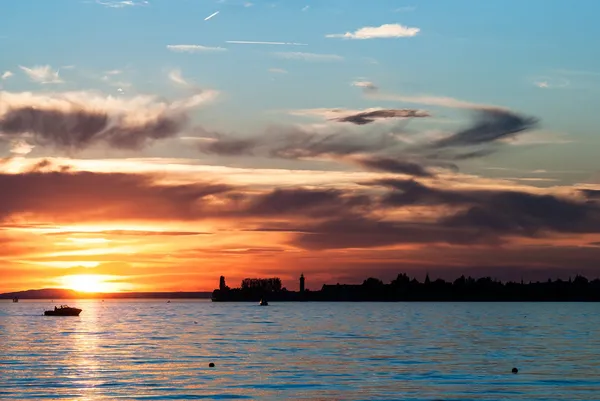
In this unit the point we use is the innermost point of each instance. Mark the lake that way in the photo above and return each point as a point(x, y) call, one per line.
point(154, 350)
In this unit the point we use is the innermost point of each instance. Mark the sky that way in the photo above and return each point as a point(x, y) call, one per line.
point(157, 145)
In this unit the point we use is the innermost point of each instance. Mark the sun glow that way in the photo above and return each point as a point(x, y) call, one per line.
point(90, 283)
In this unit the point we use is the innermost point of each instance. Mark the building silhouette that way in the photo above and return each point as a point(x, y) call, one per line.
point(302, 282)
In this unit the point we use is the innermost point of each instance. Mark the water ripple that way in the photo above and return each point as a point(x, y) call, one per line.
point(151, 350)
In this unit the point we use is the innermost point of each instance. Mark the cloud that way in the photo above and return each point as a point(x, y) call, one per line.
point(483, 217)
point(305, 8)
point(297, 143)
point(551, 83)
point(6, 75)
point(383, 31)
point(212, 15)
point(489, 126)
point(21, 147)
point(391, 165)
point(87, 196)
point(76, 120)
point(384, 147)
point(175, 76)
point(278, 70)
point(367, 117)
point(366, 85)
point(122, 3)
point(251, 42)
point(308, 56)
point(194, 48)
point(42, 74)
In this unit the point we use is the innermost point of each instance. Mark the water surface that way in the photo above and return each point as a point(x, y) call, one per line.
point(154, 350)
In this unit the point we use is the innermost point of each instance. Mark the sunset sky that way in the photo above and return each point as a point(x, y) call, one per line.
point(156, 145)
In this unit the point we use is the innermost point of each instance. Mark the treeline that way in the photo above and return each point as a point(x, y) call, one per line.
point(404, 288)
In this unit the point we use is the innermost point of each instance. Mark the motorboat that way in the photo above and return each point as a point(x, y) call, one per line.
point(263, 302)
point(63, 310)
point(15, 299)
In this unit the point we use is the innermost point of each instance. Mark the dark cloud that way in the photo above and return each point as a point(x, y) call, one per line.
point(520, 213)
point(371, 116)
point(297, 143)
point(301, 202)
point(499, 211)
point(81, 196)
point(380, 148)
point(479, 217)
point(77, 121)
point(315, 218)
point(591, 193)
point(391, 165)
point(368, 232)
point(490, 125)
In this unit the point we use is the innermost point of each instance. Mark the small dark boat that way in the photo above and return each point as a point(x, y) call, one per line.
point(63, 310)
point(15, 299)
point(263, 302)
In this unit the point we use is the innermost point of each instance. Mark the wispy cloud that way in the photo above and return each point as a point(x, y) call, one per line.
point(379, 32)
point(6, 75)
point(42, 74)
point(212, 15)
point(21, 147)
point(175, 76)
point(252, 42)
point(278, 70)
point(77, 120)
point(121, 3)
point(365, 85)
point(305, 8)
point(194, 48)
point(405, 9)
point(308, 56)
point(547, 82)
point(359, 117)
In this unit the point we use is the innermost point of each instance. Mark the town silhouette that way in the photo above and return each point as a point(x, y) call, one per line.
point(404, 288)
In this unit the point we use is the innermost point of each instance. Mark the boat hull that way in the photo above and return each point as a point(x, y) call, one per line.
point(70, 312)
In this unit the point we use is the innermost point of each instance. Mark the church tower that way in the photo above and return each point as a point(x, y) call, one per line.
point(302, 282)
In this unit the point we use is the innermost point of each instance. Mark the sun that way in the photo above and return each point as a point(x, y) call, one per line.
point(89, 283)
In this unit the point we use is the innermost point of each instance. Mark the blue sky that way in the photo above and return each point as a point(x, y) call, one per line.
point(470, 95)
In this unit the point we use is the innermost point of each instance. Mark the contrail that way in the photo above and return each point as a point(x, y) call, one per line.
point(210, 16)
point(247, 42)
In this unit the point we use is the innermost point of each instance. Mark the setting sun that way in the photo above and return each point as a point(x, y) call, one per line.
point(89, 283)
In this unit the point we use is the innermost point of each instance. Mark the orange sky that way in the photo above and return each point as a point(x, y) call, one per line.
point(169, 227)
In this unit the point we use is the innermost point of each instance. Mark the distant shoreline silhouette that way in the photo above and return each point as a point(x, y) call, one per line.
point(406, 289)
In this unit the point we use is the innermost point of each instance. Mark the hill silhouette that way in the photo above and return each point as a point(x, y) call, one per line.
point(61, 293)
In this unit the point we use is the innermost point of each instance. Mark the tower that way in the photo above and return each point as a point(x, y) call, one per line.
point(302, 282)
point(222, 283)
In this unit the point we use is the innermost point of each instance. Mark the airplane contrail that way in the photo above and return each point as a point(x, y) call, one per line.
point(248, 42)
point(210, 16)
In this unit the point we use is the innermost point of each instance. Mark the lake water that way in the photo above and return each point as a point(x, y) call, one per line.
point(154, 350)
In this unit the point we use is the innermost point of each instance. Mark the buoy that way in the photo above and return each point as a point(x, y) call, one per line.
point(515, 370)
point(211, 365)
